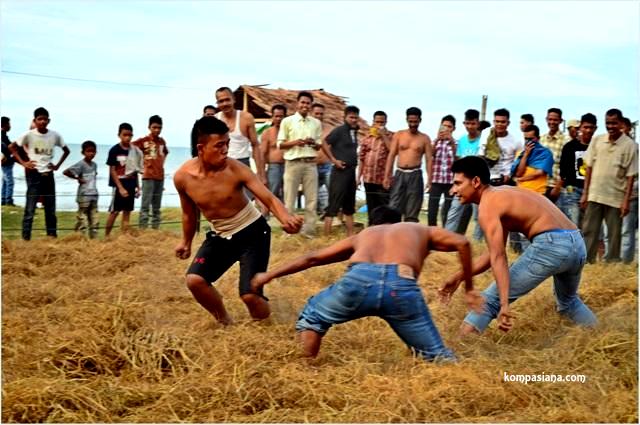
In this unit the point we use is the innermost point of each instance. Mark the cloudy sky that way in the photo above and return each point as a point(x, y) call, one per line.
point(167, 58)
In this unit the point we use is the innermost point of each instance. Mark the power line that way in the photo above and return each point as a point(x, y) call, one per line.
point(86, 80)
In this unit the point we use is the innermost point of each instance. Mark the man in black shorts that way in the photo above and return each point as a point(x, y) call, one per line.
point(341, 148)
point(213, 184)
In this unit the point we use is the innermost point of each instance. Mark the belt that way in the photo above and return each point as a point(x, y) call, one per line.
point(554, 231)
point(408, 170)
point(306, 159)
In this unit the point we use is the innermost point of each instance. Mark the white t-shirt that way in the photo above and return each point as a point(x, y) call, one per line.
point(40, 146)
point(509, 148)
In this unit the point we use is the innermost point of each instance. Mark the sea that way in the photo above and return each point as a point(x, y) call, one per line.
point(67, 188)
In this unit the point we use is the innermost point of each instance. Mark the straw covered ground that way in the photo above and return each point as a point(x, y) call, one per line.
point(106, 331)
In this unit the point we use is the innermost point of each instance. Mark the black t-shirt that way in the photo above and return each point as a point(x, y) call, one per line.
point(572, 166)
point(344, 144)
point(117, 158)
point(5, 149)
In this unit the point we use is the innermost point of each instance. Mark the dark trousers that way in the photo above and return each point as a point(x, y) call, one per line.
point(376, 196)
point(591, 225)
point(407, 194)
point(40, 185)
point(436, 192)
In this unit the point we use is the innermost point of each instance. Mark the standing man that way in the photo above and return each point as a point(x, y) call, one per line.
point(408, 188)
point(324, 165)
point(213, 184)
point(299, 138)
point(244, 141)
point(612, 165)
point(557, 249)
point(460, 215)
point(39, 144)
point(573, 169)
point(271, 155)
point(507, 144)
point(374, 150)
point(7, 164)
point(554, 140)
point(440, 176)
point(154, 150)
point(341, 148)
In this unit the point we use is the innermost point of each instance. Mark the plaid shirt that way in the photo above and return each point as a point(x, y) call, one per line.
point(443, 155)
point(555, 145)
point(373, 159)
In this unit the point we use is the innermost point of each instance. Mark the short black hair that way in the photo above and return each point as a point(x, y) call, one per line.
point(206, 126)
point(155, 119)
point(534, 128)
point(414, 111)
point(472, 166)
point(280, 107)
point(484, 124)
point(384, 214)
point(379, 114)
point(615, 113)
point(208, 107)
point(471, 114)
point(88, 144)
point(317, 105)
point(124, 126)
point(351, 110)
point(40, 112)
point(224, 88)
point(589, 118)
point(626, 121)
point(305, 94)
point(555, 110)
point(449, 118)
point(502, 112)
point(5, 121)
point(527, 117)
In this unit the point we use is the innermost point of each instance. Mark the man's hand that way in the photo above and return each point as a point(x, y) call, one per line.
point(263, 179)
point(258, 281)
point(624, 208)
point(183, 250)
point(123, 192)
point(583, 200)
point(386, 183)
point(427, 187)
point(81, 180)
point(505, 318)
point(447, 289)
point(555, 193)
point(138, 192)
point(30, 165)
point(474, 301)
point(340, 165)
point(528, 148)
point(293, 224)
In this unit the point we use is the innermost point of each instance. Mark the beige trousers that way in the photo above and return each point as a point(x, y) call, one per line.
point(305, 173)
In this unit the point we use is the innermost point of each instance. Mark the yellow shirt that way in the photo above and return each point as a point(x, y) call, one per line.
point(555, 144)
point(539, 184)
point(296, 127)
point(611, 164)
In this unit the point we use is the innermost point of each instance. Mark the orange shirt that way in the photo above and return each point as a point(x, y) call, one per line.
point(154, 152)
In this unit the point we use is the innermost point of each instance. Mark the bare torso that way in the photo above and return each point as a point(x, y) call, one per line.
point(269, 140)
point(411, 148)
point(217, 194)
point(522, 210)
point(400, 243)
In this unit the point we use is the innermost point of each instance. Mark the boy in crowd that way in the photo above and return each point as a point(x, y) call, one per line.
point(39, 144)
point(125, 184)
point(440, 176)
point(7, 164)
point(155, 152)
point(85, 172)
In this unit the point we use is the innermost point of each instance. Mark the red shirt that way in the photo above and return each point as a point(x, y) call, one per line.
point(373, 158)
point(155, 152)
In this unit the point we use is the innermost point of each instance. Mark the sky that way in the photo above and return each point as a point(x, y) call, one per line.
point(167, 58)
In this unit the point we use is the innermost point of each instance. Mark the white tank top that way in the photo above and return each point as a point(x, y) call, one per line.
point(239, 144)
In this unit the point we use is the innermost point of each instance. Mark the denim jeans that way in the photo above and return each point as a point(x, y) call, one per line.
point(324, 174)
point(569, 204)
point(275, 172)
point(459, 216)
point(629, 232)
point(376, 290)
point(151, 198)
point(560, 254)
point(40, 185)
point(7, 184)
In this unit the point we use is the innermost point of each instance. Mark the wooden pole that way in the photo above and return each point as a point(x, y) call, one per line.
point(483, 110)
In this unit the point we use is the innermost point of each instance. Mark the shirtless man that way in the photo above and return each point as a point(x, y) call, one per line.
point(244, 141)
point(271, 155)
point(381, 281)
point(214, 184)
point(408, 188)
point(557, 248)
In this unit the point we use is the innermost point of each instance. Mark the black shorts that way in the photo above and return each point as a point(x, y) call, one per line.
point(250, 246)
point(118, 202)
point(342, 192)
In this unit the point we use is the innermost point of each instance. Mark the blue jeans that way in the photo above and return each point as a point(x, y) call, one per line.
point(324, 174)
point(275, 172)
point(459, 216)
point(629, 231)
point(569, 204)
point(151, 198)
point(560, 254)
point(478, 234)
point(376, 290)
point(7, 184)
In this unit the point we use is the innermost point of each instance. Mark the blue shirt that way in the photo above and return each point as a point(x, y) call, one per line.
point(467, 147)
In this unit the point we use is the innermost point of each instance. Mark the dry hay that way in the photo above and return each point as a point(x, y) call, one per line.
point(98, 331)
